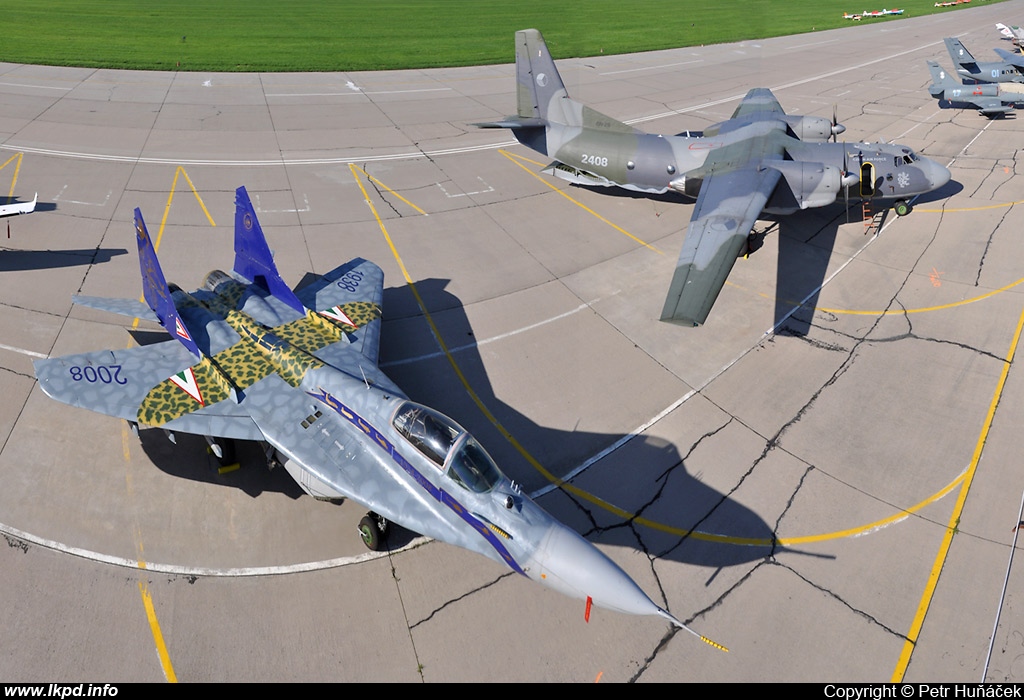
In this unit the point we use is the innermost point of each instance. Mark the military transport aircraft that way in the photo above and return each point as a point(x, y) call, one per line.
point(760, 160)
point(250, 359)
point(1009, 70)
point(987, 97)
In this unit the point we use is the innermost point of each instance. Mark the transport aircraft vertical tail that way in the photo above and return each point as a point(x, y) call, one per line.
point(960, 55)
point(155, 290)
point(253, 259)
point(540, 92)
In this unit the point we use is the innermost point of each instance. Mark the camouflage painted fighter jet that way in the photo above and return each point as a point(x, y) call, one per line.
point(250, 359)
point(760, 160)
point(1009, 70)
point(986, 97)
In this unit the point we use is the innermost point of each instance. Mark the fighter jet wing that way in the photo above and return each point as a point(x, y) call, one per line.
point(133, 308)
point(353, 289)
point(120, 383)
point(726, 210)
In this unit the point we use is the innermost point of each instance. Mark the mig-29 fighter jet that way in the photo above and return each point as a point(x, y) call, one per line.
point(760, 160)
point(987, 97)
point(250, 359)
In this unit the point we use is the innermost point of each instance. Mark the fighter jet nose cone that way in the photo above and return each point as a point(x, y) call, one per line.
point(573, 566)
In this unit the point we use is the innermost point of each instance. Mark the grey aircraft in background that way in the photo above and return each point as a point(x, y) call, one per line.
point(1009, 70)
point(988, 98)
point(298, 372)
point(762, 160)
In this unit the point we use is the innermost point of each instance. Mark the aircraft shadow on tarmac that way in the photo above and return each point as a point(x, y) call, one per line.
point(21, 260)
point(657, 468)
point(805, 239)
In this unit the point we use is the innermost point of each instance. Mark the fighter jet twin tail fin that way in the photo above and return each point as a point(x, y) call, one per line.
point(253, 261)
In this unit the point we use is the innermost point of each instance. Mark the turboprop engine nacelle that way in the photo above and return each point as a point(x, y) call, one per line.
point(690, 186)
point(813, 184)
point(813, 129)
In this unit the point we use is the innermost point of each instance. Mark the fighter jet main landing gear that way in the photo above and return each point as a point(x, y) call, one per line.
point(373, 529)
point(223, 449)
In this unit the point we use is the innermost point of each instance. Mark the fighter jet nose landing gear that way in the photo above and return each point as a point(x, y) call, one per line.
point(373, 529)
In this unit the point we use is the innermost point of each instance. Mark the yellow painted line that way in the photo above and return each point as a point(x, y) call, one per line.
point(198, 198)
point(170, 197)
point(8, 161)
point(163, 222)
point(17, 169)
point(229, 468)
point(373, 179)
point(158, 637)
point(590, 498)
point(954, 518)
point(515, 159)
point(147, 600)
point(892, 312)
point(963, 209)
point(924, 309)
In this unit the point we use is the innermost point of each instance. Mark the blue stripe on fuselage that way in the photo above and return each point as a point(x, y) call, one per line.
point(438, 494)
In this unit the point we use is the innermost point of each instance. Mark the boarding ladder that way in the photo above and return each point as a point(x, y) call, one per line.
point(872, 218)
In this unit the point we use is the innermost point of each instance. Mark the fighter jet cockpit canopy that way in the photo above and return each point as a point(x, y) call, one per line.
point(451, 448)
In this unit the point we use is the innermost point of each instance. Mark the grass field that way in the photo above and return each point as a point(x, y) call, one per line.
point(343, 35)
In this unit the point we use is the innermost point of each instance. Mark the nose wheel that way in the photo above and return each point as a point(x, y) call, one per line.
point(373, 529)
point(901, 207)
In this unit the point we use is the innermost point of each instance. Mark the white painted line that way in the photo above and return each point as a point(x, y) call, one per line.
point(420, 154)
point(357, 91)
point(502, 336)
point(466, 194)
point(258, 163)
point(30, 353)
point(38, 87)
point(260, 210)
point(181, 570)
point(75, 201)
point(667, 65)
point(795, 83)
